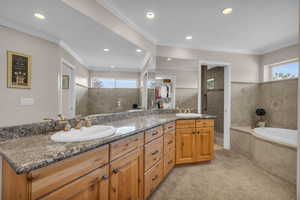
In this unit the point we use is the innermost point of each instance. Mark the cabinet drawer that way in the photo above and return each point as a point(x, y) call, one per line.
point(185, 124)
point(48, 179)
point(153, 177)
point(153, 152)
point(123, 146)
point(204, 123)
point(206, 130)
point(169, 161)
point(153, 134)
point(169, 127)
point(169, 142)
point(92, 185)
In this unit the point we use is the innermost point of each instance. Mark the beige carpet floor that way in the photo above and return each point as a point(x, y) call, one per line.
point(230, 176)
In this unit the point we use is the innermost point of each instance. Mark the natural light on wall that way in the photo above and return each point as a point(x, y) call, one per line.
point(285, 70)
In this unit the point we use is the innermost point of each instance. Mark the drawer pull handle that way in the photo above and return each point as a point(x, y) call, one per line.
point(98, 160)
point(155, 133)
point(137, 139)
point(170, 161)
point(170, 127)
point(156, 176)
point(104, 177)
point(170, 142)
point(115, 171)
point(155, 152)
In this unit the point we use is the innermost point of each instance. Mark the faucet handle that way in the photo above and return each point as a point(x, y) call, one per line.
point(78, 123)
point(48, 119)
point(61, 117)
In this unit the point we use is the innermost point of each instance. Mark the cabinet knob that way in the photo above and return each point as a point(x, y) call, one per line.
point(155, 152)
point(104, 177)
point(155, 133)
point(115, 171)
point(156, 176)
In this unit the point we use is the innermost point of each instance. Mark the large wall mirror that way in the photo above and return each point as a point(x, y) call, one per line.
point(79, 67)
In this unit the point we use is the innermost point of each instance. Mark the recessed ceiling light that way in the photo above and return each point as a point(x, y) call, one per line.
point(150, 15)
point(112, 66)
point(106, 50)
point(227, 11)
point(39, 16)
point(139, 50)
point(169, 59)
point(189, 37)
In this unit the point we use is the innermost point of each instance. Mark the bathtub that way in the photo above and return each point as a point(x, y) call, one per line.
point(279, 135)
point(272, 149)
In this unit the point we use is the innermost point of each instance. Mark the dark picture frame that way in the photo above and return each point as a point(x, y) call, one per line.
point(19, 68)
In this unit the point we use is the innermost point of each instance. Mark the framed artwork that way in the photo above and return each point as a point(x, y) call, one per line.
point(18, 70)
point(65, 82)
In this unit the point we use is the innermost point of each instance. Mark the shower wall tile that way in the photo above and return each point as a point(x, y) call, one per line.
point(111, 100)
point(82, 99)
point(187, 98)
point(244, 99)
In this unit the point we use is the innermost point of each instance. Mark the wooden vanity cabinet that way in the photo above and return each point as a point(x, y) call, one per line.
point(169, 147)
point(59, 178)
point(194, 140)
point(125, 180)
point(93, 186)
point(126, 172)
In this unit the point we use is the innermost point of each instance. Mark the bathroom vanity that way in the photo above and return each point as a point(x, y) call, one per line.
point(129, 165)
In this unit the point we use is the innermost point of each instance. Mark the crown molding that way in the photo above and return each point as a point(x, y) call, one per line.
point(117, 69)
point(63, 45)
point(25, 29)
point(112, 8)
point(278, 47)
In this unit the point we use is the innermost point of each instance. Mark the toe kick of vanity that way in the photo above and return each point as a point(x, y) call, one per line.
point(130, 168)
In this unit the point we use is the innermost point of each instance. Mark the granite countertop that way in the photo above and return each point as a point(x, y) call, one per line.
point(25, 154)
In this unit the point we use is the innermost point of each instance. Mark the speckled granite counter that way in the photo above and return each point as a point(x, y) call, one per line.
point(25, 154)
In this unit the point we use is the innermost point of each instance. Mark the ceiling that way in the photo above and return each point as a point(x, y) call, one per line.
point(255, 26)
point(83, 35)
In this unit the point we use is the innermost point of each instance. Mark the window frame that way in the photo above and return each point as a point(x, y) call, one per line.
point(270, 68)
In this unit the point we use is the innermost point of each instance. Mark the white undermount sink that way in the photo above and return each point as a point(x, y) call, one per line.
point(84, 134)
point(188, 115)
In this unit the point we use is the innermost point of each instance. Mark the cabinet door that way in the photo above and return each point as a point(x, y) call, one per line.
point(93, 186)
point(125, 181)
point(185, 145)
point(204, 144)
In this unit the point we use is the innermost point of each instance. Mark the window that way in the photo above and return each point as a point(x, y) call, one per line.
point(103, 83)
point(211, 84)
point(112, 83)
point(126, 84)
point(285, 71)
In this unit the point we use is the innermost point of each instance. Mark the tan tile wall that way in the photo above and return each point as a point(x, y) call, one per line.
point(244, 99)
point(82, 99)
point(279, 98)
point(187, 98)
point(105, 100)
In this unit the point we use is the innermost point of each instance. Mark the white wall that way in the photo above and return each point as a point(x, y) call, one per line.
point(244, 67)
point(46, 65)
point(45, 62)
point(298, 154)
point(186, 71)
point(280, 55)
